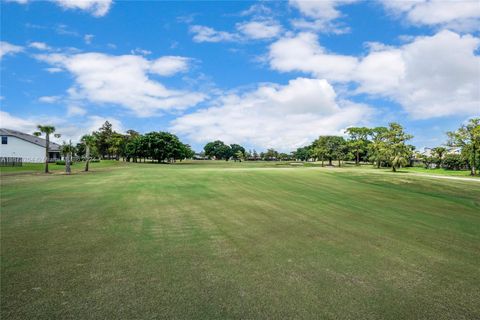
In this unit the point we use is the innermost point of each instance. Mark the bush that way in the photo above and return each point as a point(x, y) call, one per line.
point(454, 162)
point(60, 162)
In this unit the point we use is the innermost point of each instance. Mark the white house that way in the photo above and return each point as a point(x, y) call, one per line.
point(26, 146)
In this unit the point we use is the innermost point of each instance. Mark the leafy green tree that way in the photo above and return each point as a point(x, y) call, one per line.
point(237, 151)
point(467, 137)
point(302, 153)
point(329, 147)
point(394, 148)
point(103, 139)
point(376, 148)
point(358, 141)
point(218, 149)
point(454, 162)
point(47, 130)
point(255, 155)
point(270, 155)
point(438, 154)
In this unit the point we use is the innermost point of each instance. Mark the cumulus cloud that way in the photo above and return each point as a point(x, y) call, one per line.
point(9, 49)
point(124, 80)
point(49, 99)
point(207, 34)
point(320, 15)
point(73, 110)
point(97, 8)
point(259, 29)
point(282, 117)
point(170, 65)
point(39, 45)
point(461, 15)
point(430, 76)
point(302, 52)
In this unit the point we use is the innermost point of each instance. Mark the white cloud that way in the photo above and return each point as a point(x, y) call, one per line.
point(124, 80)
point(49, 99)
point(39, 45)
point(207, 34)
point(54, 70)
point(463, 15)
point(141, 51)
point(73, 110)
point(88, 38)
point(97, 8)
point(259, 29)
point(170, 65)
point(323, 9)
point(282, 117)
point(430, 76)
point(320, 15)
point(9, 49)
point(302, 52)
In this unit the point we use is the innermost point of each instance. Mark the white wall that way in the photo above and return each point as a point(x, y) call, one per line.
point(16, 147)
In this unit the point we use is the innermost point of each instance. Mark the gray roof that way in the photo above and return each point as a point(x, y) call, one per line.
point(30, 138)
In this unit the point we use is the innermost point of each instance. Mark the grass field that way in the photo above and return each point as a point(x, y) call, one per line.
point(216, 240)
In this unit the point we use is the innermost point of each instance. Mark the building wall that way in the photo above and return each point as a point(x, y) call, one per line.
point(28, 151)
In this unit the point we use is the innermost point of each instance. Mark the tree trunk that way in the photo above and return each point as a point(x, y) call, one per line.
point(473, 169)
point(322, 162)
point(87, 155)
point(47, 151)
point(339, 163)
point(68, 170)
point(394, 169)
point(330, 161)
point(357, 160)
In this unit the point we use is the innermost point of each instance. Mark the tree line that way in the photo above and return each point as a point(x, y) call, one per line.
point(381, 146)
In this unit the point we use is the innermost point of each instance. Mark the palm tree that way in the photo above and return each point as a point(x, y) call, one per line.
point(89, 141)
point(67, 150)
point(47, 130)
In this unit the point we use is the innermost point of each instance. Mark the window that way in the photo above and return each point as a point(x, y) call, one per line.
point(4, 139)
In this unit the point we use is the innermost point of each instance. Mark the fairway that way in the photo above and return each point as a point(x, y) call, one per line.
point(218, 240)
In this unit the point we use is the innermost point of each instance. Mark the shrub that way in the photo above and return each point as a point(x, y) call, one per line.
point(454, 162)
point(60, 162)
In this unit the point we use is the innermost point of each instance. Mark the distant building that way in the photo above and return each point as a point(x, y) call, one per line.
point(26, 146)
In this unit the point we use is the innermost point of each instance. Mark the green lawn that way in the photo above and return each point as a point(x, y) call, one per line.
point(216, 240)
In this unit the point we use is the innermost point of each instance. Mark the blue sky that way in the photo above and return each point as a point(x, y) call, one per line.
point(262, 74)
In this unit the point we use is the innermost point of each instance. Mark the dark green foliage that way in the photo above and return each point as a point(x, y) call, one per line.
point(454, 162)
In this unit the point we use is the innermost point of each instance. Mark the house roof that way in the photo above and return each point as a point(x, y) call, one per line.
point(54, 147)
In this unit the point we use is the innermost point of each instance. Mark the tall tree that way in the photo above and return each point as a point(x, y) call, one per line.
point(358, 141)
point(467, 137)
point(377, 146)
point(102, 138)
point(89, 142)
point(395, 149)
point(237, 151)
point(47, 130)
point(67, 151)
point(218, 149)
point(330, 147)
